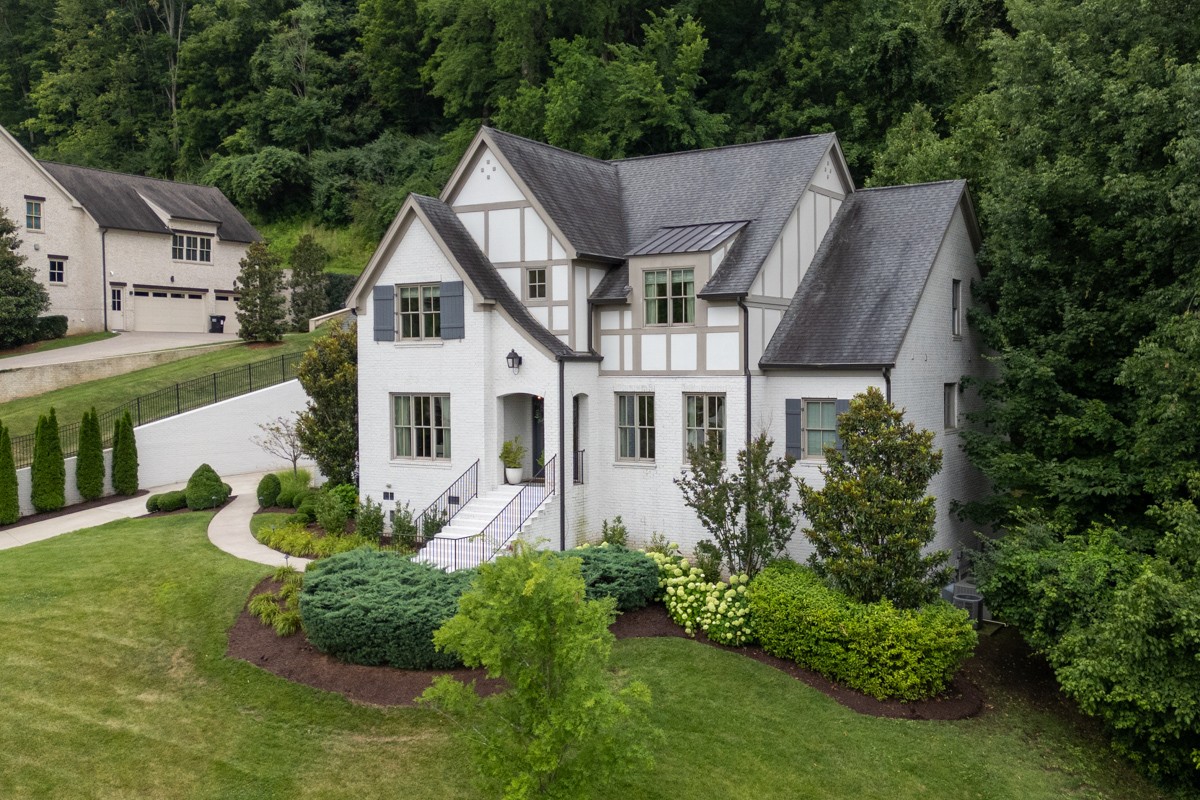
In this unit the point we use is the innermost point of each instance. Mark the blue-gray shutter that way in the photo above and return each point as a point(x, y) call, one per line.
point(794, 434)
point(453, 319)
point(385, 313)
point(840, 406)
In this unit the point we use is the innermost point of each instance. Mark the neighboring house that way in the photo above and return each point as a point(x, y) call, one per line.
point(651, 302)
point(122, 252)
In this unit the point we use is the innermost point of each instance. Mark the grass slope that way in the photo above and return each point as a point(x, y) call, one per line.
point(20, 416)
point(349, 249)
point(57, 344)
point(115, 685)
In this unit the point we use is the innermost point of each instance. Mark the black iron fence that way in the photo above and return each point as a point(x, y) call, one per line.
point(173, 400)
point(409, 532)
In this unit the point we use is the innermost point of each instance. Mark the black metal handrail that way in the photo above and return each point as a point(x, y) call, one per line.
point(439, 513)
point(172, 401)
point(499, 532)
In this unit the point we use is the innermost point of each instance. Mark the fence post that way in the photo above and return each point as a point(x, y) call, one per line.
point(249, 378)
point(178, 407)
point(139, 410)
point(214, 387)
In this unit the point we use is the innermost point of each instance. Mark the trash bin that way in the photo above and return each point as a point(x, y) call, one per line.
point(216, 323)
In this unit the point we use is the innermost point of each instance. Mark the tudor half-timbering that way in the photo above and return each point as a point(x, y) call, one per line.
point(612, 312)
point(123, 252)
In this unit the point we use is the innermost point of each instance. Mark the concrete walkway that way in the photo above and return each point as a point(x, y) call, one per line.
point(229, 529)
point(120, 345)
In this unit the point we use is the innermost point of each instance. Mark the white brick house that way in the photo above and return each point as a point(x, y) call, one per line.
point(123, 252)
point(652, 301)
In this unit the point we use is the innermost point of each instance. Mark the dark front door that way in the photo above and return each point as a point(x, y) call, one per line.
point(539, 433)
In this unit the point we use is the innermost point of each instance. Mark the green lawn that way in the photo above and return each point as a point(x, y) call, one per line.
point(58, 344)
point(349, 250)
point(20, 416)
point(114, 684)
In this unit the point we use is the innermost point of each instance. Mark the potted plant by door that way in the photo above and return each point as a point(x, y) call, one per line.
point(512, 456)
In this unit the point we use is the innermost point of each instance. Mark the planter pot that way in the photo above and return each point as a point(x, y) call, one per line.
point(514, 475)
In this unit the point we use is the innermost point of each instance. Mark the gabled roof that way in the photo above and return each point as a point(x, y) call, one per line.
point(117, 200)
point(484, 276)
point(608, 208)
point(856, 301)
point(687, 238)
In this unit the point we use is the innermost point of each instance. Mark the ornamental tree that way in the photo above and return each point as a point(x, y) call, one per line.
point(261, 306)
point(22, 297)
point(328, 426)
point(89, 463)
point(125, 457)
point(872, 520)
point(10, 503)
point(308, 282)
point(48, 476)
point(565, 726)
point(280, 439)
point(749, 514)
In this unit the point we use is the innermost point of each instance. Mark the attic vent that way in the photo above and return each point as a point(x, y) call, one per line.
point(828, 168)
point(484, 169)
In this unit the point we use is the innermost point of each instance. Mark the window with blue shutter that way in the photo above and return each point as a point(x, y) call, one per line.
point(794, 434)
point(453, 316)
point(812, 425)
point(384, 312)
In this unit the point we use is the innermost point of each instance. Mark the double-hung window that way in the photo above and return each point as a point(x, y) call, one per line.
point(820, 426)
point(422, 425)
point(535, 283)
point(670, 297)
point(635, 427)
point(420, 311)
point(33, 213)
point(704, 421)
point(191, 247)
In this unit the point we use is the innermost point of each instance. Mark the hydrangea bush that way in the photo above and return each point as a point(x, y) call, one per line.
point(720, 609)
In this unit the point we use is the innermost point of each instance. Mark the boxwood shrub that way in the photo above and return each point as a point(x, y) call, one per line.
point(877, 649)
point(372, 607)
point(172, 501)
point(268, 490)
point(205, 489)
point(152, 503)
point(630, 576)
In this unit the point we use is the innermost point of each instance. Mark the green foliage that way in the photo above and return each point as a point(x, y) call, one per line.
point(280, 609)
point(172, 501)
point(748, 513)
point(562, 728)
point(616, 534)
point(328, 427)
point(89, 462)
point(369, 520)
point(330, 513)
point(872, 519)
point(628, 576)
point(301, 495)
point(22, 297)
point(347, 493)
point(289, 484)
point(205, 489)
point(268, 490)
point(125, 457)
point(512, 453)
point(875, 648)
point(306, 508)
point(295, 539)
point(10, 504)
point(708, 560)
point(261, 305)
point(375, 608)
point(307, 283)
point(271, 181)
point(404, 527)
point(51, 327)
point(152, 503)
point(719, 609)
point(48, 475)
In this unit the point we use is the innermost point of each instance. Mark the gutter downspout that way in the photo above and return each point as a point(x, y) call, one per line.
point(104, 276)
point(887, 382)
point(746, 360)
point(562, 458)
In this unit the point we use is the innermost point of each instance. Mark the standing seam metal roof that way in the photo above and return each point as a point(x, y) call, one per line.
point(687, 238)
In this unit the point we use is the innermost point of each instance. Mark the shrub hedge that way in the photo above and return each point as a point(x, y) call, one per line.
point(629, 576)
point(152, 503)
point(172, 501)
point(875, 648)
point(268, 490)
point(371, 607)
point(50, 327)
point(10, 506)
point(205, 489)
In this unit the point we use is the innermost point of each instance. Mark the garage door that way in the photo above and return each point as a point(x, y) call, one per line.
point(168, 311)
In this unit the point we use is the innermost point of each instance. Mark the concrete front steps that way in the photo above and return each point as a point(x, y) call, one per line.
point(442, 552)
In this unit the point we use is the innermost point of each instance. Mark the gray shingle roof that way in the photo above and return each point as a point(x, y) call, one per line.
point(484, 275)
point(607, 208)
point(115, 200)
point(859, 295)
point(687, 238)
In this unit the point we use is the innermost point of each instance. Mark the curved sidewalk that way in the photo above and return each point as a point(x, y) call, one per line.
point(229, 530)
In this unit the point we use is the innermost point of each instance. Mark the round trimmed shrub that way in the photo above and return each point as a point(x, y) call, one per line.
point(372, 607)
point(172, 501)
point(268, 490)
point(152, 503)
point(629, 576)
point(876, 648)
point(205, 489)
point(301, 495)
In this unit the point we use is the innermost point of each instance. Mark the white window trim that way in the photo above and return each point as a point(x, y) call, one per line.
point(808, 456)
point(41, 214)
point(196, 238)
point(704, 402)
point(50, 261)
point(671, 322)
point(398, 322)
point(639, 458)
point(412, 428)
point(956, 308)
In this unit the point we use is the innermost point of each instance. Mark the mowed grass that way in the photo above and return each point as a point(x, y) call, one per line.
point(58, 344)
point(115, 684)
point(20, 416)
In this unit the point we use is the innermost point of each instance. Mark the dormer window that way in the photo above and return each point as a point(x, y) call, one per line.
point(191, 247)
point(670, 297)
point(33, 213)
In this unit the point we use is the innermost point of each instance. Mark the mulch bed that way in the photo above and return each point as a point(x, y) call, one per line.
point(84, 506)
point(293, 658)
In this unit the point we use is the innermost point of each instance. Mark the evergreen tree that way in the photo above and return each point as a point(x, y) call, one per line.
point(22, 297)
point(261, 306)
point(10, 503)
point(48, 477)
point(308, 282)
point(89, 462)
point(125, 458)
point(328, 426)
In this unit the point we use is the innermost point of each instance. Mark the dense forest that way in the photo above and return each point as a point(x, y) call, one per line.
point(1077, 123)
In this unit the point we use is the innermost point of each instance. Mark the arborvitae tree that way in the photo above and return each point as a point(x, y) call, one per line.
point(308, 282)
point(125, 458)
point(261, 306)
point(48, 477)
point(10, 504)
point(22, 297)
point(89, 463)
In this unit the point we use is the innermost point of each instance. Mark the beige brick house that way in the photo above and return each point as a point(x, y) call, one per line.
point(123, 252)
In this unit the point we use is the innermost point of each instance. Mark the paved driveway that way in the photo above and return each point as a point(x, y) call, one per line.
point(119, 345)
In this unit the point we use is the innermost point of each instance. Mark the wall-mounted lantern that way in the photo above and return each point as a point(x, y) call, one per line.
point(514, 361)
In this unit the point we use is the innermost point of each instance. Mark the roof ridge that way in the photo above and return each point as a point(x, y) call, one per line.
point(911, 185)
point(722, 147)
point(126, 174)
point(549, 146)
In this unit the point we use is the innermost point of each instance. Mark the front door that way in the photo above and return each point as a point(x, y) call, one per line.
point(536, 452)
